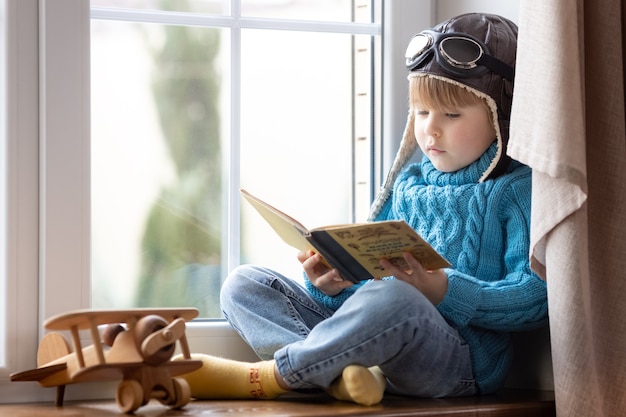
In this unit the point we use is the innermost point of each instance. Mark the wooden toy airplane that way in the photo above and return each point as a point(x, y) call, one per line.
point(139, 353)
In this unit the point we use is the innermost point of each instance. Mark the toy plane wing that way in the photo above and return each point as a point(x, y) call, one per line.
point(85, 319)
point(110, 372)
point(38, 374)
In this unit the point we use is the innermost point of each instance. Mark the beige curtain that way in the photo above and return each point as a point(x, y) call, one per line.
point(568, 124)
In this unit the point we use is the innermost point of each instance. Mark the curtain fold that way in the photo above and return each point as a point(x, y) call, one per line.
point(568, 124)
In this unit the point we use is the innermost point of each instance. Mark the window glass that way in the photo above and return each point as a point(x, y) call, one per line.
point(335, 10)
point(296, 121)
point(195, 6)
point(156, 164)
point(183, 116)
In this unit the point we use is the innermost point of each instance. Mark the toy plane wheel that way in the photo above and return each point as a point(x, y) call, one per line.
point(129, 396)
point(182, 392)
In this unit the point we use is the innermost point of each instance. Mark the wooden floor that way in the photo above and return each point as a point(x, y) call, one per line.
point(511, 403)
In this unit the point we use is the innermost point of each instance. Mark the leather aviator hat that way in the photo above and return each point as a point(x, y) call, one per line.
point(477, 52)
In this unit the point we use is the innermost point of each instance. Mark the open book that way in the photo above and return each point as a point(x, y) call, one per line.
point(354, 249)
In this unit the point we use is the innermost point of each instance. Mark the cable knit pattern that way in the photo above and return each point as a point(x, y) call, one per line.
point(483, 229)
point(475, 225)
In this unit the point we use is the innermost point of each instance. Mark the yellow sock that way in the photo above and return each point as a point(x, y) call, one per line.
point(225, 378)
point(365, 386)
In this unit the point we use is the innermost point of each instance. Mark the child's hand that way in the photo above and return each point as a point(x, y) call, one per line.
point(433, 284)
point(326, 280)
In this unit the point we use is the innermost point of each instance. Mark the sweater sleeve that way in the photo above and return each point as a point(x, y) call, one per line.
point(515, 301)
point(331, 302)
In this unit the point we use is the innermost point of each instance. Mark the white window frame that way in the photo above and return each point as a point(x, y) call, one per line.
point(19, 272)
point(48, 213)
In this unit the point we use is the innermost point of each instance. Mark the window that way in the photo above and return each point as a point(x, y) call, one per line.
point(191, 100)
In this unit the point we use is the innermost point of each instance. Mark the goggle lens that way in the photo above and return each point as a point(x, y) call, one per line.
point(460, 52)
point(418, 45)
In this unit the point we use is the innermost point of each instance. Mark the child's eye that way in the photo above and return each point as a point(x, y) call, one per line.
point(453, 115)
point(421, 112)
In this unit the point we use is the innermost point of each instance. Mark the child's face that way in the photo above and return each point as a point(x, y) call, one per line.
point(454, 138)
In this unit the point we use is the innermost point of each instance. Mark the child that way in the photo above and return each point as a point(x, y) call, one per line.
point(419, 333)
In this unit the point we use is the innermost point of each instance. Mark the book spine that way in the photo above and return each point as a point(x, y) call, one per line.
point(348, 267)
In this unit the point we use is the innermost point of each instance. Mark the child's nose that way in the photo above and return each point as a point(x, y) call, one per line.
point(432, 126)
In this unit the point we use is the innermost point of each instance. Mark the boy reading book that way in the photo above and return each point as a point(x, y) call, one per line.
point(420, 332)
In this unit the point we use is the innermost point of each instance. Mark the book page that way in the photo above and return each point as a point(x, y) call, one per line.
point(289, 229)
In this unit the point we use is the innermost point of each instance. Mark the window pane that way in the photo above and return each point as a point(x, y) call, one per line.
point(296, 135)
point(328, 10)
point(156, 166)
point(194, 6)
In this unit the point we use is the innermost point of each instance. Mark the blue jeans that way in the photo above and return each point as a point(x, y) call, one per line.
point(385, 323)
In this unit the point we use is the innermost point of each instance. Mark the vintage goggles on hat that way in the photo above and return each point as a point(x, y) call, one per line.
point(456, 53)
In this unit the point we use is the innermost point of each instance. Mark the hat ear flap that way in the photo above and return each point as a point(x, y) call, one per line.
point(408, 146)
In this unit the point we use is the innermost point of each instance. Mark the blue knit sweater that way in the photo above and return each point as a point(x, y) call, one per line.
point(483, 229)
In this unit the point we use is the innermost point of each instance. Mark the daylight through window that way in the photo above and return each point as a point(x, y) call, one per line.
point(192, 100)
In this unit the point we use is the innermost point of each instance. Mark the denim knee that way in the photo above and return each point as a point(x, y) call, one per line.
point(393, 294)
point(240, 281)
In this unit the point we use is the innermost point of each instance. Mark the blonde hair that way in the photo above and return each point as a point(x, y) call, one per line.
point(440, 95)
